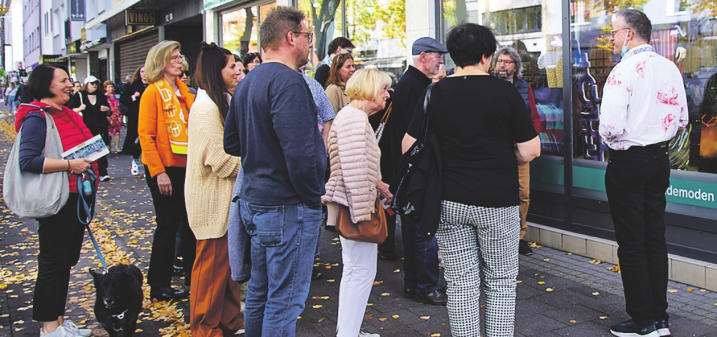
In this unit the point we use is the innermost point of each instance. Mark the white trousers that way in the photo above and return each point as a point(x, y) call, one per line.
point(359, 272)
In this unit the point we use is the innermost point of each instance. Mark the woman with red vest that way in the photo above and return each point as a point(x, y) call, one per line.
point(163, 115)
point(60, 235)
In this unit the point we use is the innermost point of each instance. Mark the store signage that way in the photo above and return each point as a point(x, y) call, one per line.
point(680, 191)
point(133, 17)
point(77, 10)
point(50, 58)
point(214, 3)
point(74, 47)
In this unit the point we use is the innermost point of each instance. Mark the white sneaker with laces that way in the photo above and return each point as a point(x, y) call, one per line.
point(135, 168)
point(70, 325)
point(366, 334)
point(61, 331)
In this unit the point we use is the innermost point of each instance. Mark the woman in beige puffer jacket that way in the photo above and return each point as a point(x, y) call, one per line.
point(355, 182)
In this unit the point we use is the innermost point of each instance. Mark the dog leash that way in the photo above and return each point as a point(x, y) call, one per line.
point(86, 189)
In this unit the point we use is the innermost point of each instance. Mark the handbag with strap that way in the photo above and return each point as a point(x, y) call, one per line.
point(36, 195)
point(373, 231)
point(408, 163)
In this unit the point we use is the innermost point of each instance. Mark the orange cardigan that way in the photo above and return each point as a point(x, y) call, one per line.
point(153, 135)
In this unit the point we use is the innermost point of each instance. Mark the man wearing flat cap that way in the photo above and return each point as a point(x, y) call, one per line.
point(420, 263)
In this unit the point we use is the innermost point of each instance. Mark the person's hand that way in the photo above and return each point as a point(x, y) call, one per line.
point(81, 107)
point(78, 166)
point(383, 192)
point(136, 94)
point(680, 54)
point(104, 108)
point(165, 185)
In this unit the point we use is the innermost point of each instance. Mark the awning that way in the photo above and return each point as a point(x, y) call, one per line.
point(117, 7)
point(75, 55)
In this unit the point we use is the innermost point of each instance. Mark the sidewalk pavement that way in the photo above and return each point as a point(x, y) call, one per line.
point(559, 294)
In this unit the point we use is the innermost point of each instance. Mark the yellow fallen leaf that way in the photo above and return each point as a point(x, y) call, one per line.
point(541, 282)
point(518, 281)
point(596, 293)
point(573, 321)
point(603, 317)
point(317, 306)
point(425, 317)
point(367, 317)
point(321, 320)
point(3, 286)
point(546, 260)
point(672, 291)
point(385, 294)
point(690, 289)
point(569, 254)
point(549, 289)
point(382, 319)
point(397, 271)
point(437, 334)
point(331, 281)
point(615, 269)
point(395, 316)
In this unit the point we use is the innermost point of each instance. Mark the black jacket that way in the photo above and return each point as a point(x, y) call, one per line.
point(95, 119)
point(407, 93)
point(23, 95)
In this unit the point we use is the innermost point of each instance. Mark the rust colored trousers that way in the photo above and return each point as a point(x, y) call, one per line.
point(214, 297)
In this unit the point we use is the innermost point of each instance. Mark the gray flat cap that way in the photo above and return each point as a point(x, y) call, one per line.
point(428, 45)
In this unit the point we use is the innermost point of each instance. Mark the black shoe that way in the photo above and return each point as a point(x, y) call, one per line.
point(631, 329)
point(409, 293)
point(315, 274)
point(167, 293)
point(663, 328)
point(524, 248)
point(437, 297)
point(331, 228)
point(388, 256)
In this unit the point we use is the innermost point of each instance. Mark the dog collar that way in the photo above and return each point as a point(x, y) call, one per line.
point(120, 316)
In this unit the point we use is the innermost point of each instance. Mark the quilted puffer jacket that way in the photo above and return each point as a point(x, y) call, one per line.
point(354, 156)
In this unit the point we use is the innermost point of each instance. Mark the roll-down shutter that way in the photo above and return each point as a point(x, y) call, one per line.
point(133, 52)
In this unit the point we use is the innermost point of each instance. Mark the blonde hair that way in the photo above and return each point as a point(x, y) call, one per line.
point(157, 59)
point(185, 65)
point(366, 84)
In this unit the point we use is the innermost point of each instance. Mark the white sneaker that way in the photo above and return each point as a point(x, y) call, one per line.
point(61, 331)
point(135, 168)
point(70, 325)
point(366, 334)
point(238, 332)
point(105, 178)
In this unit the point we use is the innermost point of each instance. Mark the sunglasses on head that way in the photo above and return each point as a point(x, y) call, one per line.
point(185, 73)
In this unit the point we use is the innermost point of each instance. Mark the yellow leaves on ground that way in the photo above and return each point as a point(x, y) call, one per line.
point(603, 317)
point(385, 294)
point(534, 245)
point(317, 306)
point(395, 316)
point(425, 317)
point(541, 282)
point(690, 289)
point(595, 261)
point(382, 319)
point(320, 298)
point(596, 293)
point(573, 321)
point(671, 291)
point(549, 289)
point(615, 269)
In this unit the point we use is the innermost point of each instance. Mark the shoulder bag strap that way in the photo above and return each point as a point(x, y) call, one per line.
point(427, 99)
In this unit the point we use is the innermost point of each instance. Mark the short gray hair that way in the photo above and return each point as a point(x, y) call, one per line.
point(280, 21)
point(638, 21)
point(510, 51)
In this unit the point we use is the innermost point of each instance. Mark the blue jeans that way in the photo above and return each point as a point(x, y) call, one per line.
point(283, 241)
point(420, 261)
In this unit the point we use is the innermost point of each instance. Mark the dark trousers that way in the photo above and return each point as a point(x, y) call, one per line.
point(635, 181)
point(420, 261)
point(389, 246)
point(60, 239)
point(102, 163)
point(171, 214)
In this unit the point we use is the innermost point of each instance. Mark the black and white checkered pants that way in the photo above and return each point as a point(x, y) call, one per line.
point(472, 238)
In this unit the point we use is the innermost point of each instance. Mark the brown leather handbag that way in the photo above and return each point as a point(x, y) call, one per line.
point(374, 230)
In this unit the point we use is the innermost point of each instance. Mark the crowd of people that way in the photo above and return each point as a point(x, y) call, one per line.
point(244, 168)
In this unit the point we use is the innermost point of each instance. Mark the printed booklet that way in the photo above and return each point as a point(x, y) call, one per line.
point(92, 149)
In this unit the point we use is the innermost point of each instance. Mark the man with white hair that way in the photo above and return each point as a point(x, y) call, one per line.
point(509, 67)
point(420, 253)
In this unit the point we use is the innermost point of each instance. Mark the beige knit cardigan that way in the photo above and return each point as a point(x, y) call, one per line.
point(210, 171)
point(354, 156)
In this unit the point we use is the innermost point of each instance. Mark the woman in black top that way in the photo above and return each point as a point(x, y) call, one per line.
point(130, 99)
point(484, 131)
point(92, 104)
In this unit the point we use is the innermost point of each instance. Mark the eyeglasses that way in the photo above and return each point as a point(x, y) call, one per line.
point(309, 35)
point(185, 73)
point(612, 32)
point(506, 62)
point(178, 58)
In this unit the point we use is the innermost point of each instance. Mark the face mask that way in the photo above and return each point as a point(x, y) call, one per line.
point(623, 51)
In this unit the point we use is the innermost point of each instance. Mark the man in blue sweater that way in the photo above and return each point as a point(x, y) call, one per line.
point(272, 125)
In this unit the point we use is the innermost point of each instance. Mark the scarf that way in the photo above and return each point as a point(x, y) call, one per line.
point(174, 117)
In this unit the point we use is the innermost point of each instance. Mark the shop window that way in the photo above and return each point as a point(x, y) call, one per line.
point(536, 34)
point(240, 28)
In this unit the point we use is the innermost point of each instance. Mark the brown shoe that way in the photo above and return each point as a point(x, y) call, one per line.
point(437, 297)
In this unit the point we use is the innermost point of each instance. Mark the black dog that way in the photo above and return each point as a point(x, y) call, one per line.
point(119, 298)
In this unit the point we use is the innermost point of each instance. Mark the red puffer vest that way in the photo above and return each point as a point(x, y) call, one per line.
point(69, 125)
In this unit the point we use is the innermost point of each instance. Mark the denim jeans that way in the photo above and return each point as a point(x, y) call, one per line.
point(283, 242)
point(635, 181)
point(420, 261)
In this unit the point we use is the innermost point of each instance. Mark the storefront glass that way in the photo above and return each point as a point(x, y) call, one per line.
point(376, 27)
point(534, 29)
point(240, 28)
point(684, 33)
